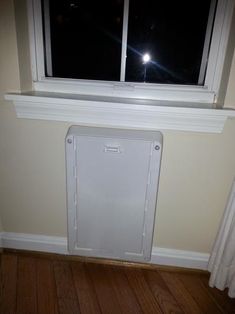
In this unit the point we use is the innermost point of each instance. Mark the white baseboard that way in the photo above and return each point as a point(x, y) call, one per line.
point(179, 258)
point(1, 233)
point(34, 242)
point(52, 244)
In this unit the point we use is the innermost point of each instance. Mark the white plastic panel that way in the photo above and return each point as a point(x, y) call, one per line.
point(112, 179)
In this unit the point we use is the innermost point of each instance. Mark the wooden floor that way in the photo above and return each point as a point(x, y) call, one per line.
point(48, 285)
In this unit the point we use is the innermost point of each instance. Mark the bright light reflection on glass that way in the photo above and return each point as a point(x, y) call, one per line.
point(146, 58)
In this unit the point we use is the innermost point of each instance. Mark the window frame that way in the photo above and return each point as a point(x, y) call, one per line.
point(185, 93)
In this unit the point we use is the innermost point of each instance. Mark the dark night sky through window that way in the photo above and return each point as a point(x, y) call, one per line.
point(86, 39)
point(173, 33)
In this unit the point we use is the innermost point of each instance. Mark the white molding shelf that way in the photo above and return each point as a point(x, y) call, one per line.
point(120, 112)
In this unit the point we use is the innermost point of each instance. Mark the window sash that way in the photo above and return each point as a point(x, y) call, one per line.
point(124, 40)
point(207, 93)
point(206, 47)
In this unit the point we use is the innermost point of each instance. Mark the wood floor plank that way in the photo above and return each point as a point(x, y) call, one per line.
point(161, 292)
point(46, 289)
point(67, 297)
point(142, 291)
point(183, 297)
point(196, 288)
point(34, 284)
point(220, 298)
point(8, 285)
point(107, 299)
point(126, 298)
point(26, 286)
point(85, 291)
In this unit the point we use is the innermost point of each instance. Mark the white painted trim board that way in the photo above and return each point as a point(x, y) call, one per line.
point(179, 258)
point(52, 244)
point(33, 242)
point(1, 234)
point(120, 114)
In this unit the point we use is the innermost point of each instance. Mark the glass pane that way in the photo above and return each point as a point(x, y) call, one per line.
point(171, 34)
point(85, 38)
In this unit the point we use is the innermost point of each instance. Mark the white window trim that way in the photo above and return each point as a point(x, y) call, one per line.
point(206, 47)
point(202, 94)
point(48, 60)
point(126, 105)
point(124, 40)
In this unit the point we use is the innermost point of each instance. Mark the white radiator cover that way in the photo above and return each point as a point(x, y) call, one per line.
point(112, 183)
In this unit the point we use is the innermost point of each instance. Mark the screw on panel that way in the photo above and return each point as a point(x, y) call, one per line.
point(69, 141)
point(157, 147)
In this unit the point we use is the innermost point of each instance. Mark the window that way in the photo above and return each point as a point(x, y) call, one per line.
point(173, 34)
point(153, 49)
point(85, 38)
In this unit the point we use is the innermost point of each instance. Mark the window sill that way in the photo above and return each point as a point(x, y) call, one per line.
point(165, 92)
point(120, 112)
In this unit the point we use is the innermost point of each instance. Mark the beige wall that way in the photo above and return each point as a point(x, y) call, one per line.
point(9, 79)
point(21, 26)
point(197, 169)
